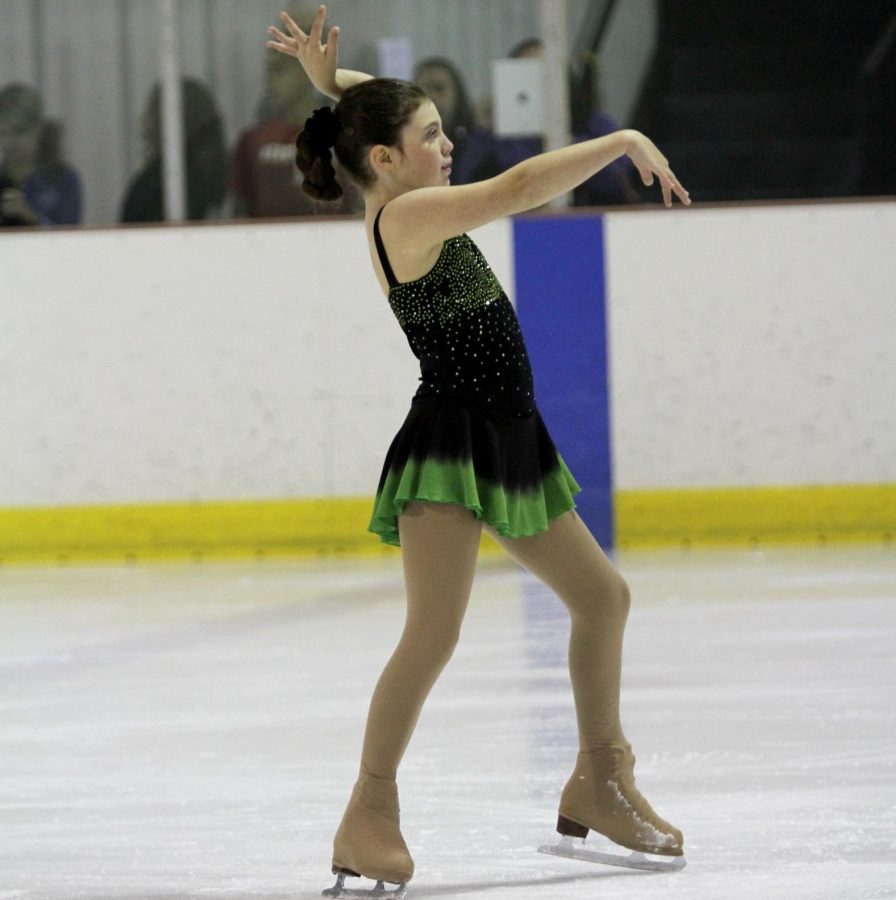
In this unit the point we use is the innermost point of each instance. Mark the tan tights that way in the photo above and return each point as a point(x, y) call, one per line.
point(440, 544)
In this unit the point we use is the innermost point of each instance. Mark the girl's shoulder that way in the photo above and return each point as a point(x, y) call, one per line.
point(424, 217)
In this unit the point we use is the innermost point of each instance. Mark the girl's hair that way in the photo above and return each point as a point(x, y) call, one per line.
point(372, 112)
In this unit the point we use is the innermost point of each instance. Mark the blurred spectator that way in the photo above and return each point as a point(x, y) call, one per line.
point(36, 186)
point(206, 157)
point(473, 157)
point(614, 184)
point(264, 177)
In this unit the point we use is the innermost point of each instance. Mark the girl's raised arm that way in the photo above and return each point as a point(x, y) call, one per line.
point(318, 60)
point(425, 217)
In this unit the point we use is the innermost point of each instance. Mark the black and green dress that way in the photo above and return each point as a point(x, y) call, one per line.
point(473, 435)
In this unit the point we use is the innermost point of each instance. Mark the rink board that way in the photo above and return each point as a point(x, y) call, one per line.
point(707, 379)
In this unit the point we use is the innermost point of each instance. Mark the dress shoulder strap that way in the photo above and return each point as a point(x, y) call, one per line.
point(381, 251)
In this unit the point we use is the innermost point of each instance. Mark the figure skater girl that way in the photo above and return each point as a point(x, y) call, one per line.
point(473, 452)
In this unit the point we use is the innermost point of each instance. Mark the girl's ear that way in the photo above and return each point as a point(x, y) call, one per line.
point(382, 158)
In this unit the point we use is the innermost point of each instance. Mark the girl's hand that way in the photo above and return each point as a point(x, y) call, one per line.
point(649, 162)
point(317, 59)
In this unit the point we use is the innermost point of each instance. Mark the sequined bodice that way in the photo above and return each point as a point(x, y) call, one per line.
point(463, 329)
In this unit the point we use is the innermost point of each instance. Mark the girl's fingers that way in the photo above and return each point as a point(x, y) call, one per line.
point(333, 41)
point(682, 194)
point(651, 163)
point(679, 189)
point(281, 37)
point(292, 28)
point(286, 51)
point(667, 192)
point(318, 26)
point(282, 43)
point(298, 35)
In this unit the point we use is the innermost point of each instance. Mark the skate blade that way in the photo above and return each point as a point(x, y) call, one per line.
point(635, 859)
point(380, 892)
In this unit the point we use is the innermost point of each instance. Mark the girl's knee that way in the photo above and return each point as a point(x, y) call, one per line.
point(617, 596)
point(438, 653)
point(435, 645)
point(611, 598)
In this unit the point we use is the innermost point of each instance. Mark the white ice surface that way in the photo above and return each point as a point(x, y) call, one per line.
point(191, 731)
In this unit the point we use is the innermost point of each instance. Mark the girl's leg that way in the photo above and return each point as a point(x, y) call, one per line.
point(569, 560)
point(439, 547)
point(601, 793)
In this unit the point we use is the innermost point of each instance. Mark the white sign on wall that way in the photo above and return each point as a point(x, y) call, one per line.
point(395, 58)
point(518, 92)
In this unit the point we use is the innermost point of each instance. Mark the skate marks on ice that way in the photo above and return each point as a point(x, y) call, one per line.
point(574, 848)
point(519, 883)
point(425, 891)
point(422, 891)
point(568, 847)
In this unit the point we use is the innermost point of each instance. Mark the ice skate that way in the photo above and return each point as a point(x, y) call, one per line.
point(368, 842)
point(380, 892)
point(601, 796)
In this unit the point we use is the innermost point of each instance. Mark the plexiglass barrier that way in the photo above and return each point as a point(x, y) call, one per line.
point(83, 139)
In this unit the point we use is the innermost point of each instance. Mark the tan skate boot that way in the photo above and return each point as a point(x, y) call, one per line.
point(601, 795)
point(368, 841)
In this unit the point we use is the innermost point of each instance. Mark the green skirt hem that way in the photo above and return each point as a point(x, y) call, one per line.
point(512, 513)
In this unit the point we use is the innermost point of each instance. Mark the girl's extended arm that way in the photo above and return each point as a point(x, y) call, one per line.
point(319, 60)
point(425, 217)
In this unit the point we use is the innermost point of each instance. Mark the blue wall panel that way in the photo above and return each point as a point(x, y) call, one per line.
point(560, 297)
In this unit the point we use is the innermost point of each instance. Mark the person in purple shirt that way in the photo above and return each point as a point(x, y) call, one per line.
point(36, 186)
point(612, 185)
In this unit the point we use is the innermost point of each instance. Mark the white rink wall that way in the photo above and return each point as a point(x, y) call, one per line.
point(753, 345)
point(199, 363)
point(747, 346)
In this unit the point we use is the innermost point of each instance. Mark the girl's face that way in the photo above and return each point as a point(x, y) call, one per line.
point(425, 159)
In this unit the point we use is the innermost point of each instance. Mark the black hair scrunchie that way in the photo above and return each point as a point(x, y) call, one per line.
point(323, 128)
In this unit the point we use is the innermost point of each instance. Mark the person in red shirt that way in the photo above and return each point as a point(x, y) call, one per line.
point(264, 178)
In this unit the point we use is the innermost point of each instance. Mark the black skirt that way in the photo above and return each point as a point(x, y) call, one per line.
point(502, 466)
